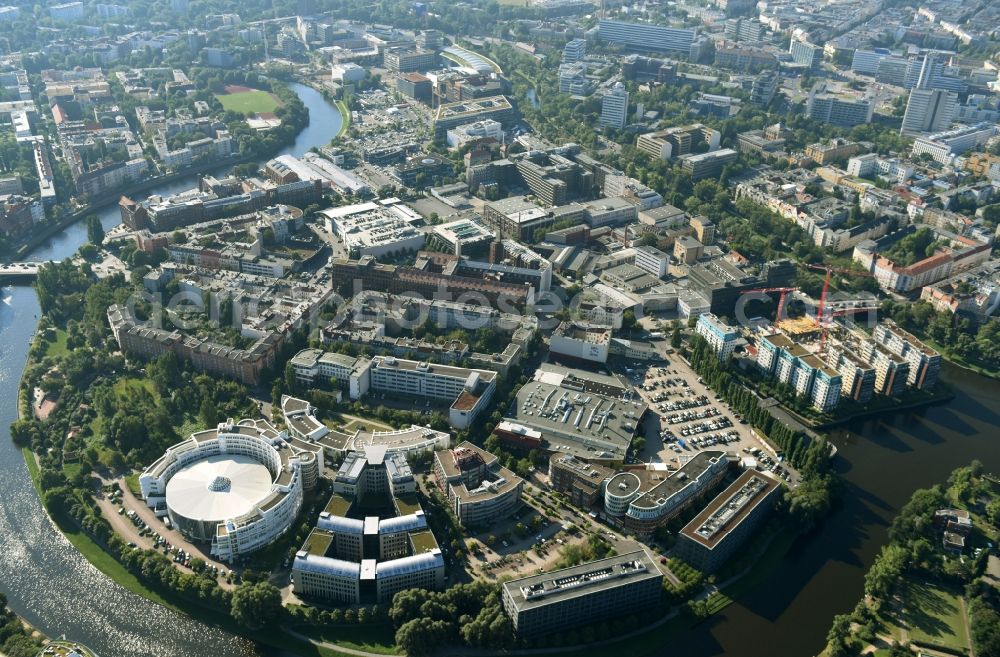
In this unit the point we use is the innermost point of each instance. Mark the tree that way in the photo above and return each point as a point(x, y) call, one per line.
point(676, 337)
point(95, 231)
point(256, 605)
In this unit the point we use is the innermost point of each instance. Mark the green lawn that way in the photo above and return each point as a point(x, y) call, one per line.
point(930, 614)
point(126, 385)
point(345, 119)
point(248, 102)
point(57, 347)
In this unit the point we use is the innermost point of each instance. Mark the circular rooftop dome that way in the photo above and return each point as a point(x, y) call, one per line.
point(215, 489)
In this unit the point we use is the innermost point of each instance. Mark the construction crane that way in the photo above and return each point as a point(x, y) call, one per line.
point(821, 318)
point(781, 300)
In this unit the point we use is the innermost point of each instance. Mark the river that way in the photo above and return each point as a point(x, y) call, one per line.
point(881, 462)
point(45, 579)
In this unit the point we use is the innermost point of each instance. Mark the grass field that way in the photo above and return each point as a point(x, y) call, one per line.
point(929, 614)
point(249, 102)
point(57, 347)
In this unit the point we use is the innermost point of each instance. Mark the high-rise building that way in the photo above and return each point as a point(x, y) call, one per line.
point(574, 51)
point(806, 54)
point(614, 107)
point(765, 86)
point(867, 61)
point(744, 29)
point(928, 109)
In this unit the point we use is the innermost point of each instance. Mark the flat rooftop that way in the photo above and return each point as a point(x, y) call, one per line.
point(318, 542)
point(579, 581)
point(338, 505)
point(724, 513)
point(590, 416)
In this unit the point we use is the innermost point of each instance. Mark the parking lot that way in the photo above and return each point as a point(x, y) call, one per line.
point(688, 417)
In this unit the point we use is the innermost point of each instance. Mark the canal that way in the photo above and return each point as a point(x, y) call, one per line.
point(881, 462)
point(45, 579)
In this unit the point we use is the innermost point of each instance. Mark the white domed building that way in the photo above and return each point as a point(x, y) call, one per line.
point(238, 486)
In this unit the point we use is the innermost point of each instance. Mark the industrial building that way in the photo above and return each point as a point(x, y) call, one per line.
point(581, 342)
point(591, 416)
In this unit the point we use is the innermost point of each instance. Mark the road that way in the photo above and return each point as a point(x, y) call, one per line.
point(124, 527)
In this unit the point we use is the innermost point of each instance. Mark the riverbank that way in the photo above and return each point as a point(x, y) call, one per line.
point(345, 118)
point(51, 230)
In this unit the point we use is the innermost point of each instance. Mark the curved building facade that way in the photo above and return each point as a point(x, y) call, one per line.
point(238, 486)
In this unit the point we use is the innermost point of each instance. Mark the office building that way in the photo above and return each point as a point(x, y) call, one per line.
point(845, 112)
point(708, 165)
point(928, 109)
point(764, 87)
point(676, 142)
point(720, 336)
point(644, 36)
point(744, 29)
point(589, 593)
point(715, 534)
point(867, 61)
point(415, 86)
point(69, 11)
point(467, 391)
point(806, 54)
point(574, 51)
point(651, 259)
point(639, 501)
point(238, 486)
point(944, 146)
point(355, 558)
point(614, 107)
point(480, 491)
point(581, 481)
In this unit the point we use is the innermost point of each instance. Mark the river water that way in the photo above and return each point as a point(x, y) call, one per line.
point(45, 579)
point(881, 461)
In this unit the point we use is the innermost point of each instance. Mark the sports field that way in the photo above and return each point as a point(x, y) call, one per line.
point(248, 101)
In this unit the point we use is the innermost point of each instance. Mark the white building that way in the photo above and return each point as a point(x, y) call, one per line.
point(614, 107)
point(575, 50)
point(928, 110)
point(871, 164)
point(347, 72)
point(652, 260)
point(468, 390)
point(581, 342)
point(944, 146)
point(374, 228)
point(719, 335)
point(485, 129)
point(239, 486)
point(69, 11)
